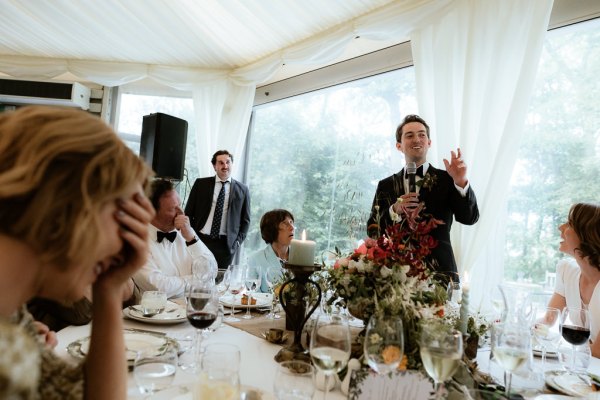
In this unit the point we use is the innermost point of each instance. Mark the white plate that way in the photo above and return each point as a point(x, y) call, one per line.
point(552, 397)
point(135, 340)
point(567, 383)
point(173, 314)
point(262, 300)
point(184, 392)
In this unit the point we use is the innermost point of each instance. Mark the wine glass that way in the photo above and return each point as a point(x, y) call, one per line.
point(252, 282)
point(330, 345)
point(575, 329)
point(236, 285)
point(294, 380)
point(272, 275)
point(220, 377)
point(154, 368)
point(546, 329)
point(202, 308)
point(222, 282)
point(384, 343)
point(441, 349)
point(511, 345)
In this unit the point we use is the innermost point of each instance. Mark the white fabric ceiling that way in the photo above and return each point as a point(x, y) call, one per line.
point(207, 34)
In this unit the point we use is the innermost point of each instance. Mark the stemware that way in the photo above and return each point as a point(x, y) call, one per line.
point(220, 372)
point(330, 345)
point(546, 329)
point(154, 368)
point(236, 285)
point(294, 381)
point(575, 329)
point(511, 345)
point(272, 275)
point(441, 349)
point(202, 308)
point(384, 343)
point(222, 282)
point(252, 282)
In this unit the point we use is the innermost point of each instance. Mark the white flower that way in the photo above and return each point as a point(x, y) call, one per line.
point(385, 272)
point(375, 338)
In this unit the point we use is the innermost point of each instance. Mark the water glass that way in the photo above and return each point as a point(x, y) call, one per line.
point(153, 302)
point(546, 330)
point(252, 280)
point(219, 378)
point(384, 343)
point(154, 368)
point(294, 381)
point(580, 363)
point(236, 286)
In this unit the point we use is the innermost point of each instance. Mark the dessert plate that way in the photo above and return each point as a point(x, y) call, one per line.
point(262, 300)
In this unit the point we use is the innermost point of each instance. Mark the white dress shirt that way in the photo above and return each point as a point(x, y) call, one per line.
point(170, 263)
point(208, 225)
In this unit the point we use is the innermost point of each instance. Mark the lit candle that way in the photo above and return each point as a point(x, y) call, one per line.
point(302, 252)
point(464, 305)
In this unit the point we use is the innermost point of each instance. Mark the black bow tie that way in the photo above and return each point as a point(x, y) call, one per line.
point(169, 235)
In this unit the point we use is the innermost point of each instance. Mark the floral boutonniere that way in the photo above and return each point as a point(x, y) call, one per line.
point(427, 182)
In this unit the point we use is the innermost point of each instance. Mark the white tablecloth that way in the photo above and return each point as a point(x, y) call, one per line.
point(257, 364)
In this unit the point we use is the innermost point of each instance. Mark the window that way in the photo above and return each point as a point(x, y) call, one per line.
point(559, 158)
point(133, 107)
point(321, 154)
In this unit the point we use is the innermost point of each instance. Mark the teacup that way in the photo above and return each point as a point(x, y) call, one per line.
point(274, 335)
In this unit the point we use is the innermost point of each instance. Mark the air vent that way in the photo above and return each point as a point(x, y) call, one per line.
point(49, 93)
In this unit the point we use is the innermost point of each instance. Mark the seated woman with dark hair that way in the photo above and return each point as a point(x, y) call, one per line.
point(73, 214)
point(577, 278)
point(277, 230)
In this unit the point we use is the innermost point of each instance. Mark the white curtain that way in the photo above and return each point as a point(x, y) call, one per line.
point(475, 66)
point(223, 98)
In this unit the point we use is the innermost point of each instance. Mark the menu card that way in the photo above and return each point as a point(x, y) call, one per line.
point(366, 384)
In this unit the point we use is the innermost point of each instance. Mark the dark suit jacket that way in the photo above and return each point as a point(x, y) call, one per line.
point(199, 204)
point(442, 201)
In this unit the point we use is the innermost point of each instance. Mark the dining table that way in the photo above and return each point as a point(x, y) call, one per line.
point(257, 366)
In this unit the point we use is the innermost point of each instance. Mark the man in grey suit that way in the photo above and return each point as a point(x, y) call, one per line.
point(219, 209)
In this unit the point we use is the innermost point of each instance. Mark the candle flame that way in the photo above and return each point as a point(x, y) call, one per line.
point(303, 234)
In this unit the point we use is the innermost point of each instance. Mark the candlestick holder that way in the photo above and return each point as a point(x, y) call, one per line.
point(295, 307)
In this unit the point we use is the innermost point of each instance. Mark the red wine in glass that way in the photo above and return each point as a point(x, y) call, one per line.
point(575, 335)
point(201, 320)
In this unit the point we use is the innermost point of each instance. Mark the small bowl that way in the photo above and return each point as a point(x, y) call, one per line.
point(270, 338)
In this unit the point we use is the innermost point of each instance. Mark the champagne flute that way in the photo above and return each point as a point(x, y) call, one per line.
point(272, 275)
point(236, 285)
point(384, 343)
point(202, 308)
point(252, 282)
point(546, 329)
point(330, 345)
point(575, 329)
point(511, 345)
point(441, 349)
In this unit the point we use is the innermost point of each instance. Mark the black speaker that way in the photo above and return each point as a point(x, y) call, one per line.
point(163, 144)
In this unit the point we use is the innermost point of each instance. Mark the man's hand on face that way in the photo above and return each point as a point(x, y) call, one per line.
point(182, 224)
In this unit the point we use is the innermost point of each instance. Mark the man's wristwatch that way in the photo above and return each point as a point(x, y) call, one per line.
point(191, 242)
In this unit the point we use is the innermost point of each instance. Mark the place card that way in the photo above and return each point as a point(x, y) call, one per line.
point(366, 384)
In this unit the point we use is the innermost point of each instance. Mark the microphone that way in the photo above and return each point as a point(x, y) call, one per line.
point(411, 173)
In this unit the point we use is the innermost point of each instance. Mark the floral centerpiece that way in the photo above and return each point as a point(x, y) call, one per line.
point(390, 276)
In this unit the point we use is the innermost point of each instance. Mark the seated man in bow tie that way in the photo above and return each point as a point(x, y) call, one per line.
point(173, 245)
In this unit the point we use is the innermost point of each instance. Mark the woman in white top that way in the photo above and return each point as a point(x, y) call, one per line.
point(277, 230)
point(577, 279)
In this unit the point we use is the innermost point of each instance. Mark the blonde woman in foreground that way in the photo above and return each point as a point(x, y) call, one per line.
point(72, 214)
